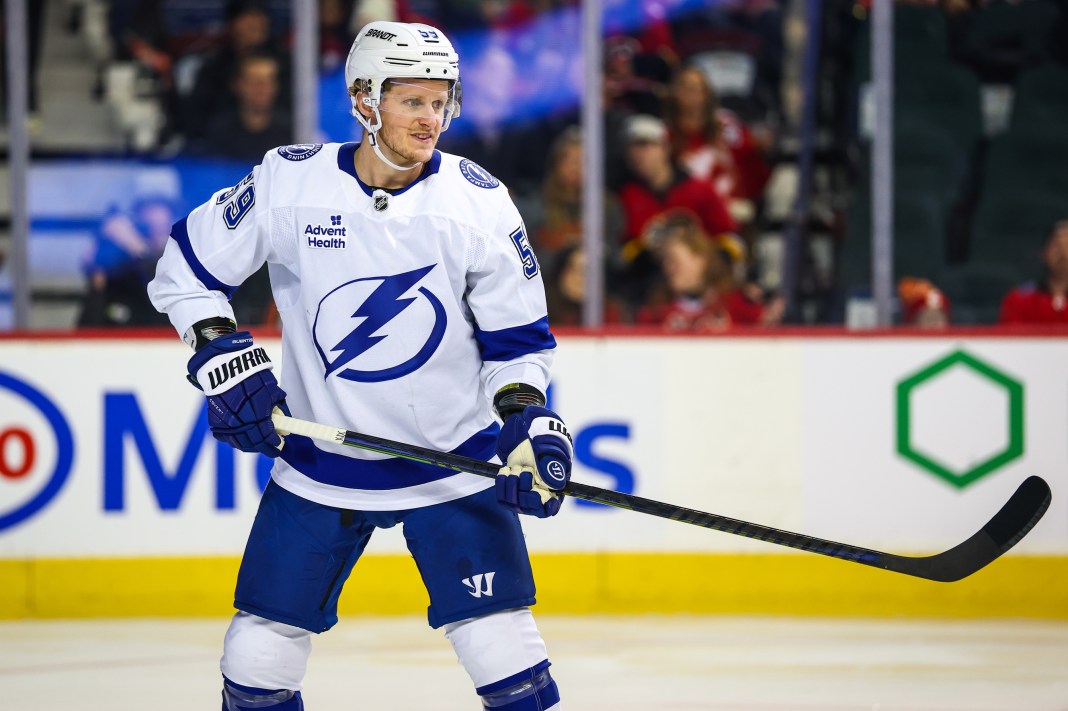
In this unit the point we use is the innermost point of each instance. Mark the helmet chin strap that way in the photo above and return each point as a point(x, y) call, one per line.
point(372, 132)
point(387, 161)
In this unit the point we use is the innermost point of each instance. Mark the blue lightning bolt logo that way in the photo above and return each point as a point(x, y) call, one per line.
point(384, 304)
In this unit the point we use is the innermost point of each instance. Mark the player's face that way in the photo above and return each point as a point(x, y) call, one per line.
point(412, 116)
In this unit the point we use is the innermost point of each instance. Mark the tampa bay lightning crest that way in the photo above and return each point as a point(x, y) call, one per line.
point(300, 151)
point(478, 175)
point(379, 328)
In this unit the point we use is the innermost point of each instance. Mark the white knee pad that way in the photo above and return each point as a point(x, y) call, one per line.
point(498, 645)
point(265, 654)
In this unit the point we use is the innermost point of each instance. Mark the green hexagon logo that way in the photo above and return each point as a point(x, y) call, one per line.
point(994, 407)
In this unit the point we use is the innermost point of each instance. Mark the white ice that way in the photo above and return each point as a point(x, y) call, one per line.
point(600, 663)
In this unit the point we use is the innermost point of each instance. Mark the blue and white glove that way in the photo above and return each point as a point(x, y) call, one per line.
point(241, 389)
point(536, 449)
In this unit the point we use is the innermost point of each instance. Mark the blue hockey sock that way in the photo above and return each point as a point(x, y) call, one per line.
point(236, 697)
point(530, 690)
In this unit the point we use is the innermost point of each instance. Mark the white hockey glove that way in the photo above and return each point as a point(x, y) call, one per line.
point(536, 449)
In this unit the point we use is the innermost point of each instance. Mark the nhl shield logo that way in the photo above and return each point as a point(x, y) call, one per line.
point(381, 202)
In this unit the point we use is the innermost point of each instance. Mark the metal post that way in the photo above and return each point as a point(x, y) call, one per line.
point(799, 219)
point(593, 160)
point(18, 156)
point(882, 184)
point(306, 71)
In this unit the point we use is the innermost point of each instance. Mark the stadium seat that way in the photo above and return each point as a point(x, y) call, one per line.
point(921, 37)
point(928, 159)
point(919, 239)
point(937, 94)
point(1010, 229)
point(1027, 162)
point(944, 95)
point(975, 290)
point(1003, 38)
point(1041, 101)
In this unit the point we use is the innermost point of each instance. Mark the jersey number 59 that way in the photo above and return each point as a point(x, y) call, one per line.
point(237, 207)
point(526, 254)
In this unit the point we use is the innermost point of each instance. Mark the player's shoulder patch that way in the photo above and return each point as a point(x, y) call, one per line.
point(300, 151)
point(477, 174)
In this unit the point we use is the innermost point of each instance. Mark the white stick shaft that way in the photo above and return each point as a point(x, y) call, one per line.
point(291, 425)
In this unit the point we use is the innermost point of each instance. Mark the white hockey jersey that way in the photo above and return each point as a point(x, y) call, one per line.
point(402, 313)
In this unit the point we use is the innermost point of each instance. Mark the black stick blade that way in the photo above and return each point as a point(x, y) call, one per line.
point(1016, 518)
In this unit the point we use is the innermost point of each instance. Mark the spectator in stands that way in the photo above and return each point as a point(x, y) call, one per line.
point(697, 142)
point(624, 87)
point(257, 123)
point(647, 22)
point(616, 115)
point(565, 289)
point(752, 28)
point(922, 303)
point(701, 288)
point(660, 184)
point(140, 31)
point(713, 144)
point(334, 35)
point(689, 265)
point(1046, 301)
point(213, 92)
point(657, 186)
point(128, 245)
point(554, 217)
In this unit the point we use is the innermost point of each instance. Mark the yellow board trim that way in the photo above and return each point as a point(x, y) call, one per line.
point(573, 583)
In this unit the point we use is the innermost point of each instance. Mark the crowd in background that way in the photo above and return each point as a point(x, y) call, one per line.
point(980, 156)
point(222, 74)
point(695, 123)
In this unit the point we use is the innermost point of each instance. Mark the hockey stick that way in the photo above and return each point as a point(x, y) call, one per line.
point(1018, 516)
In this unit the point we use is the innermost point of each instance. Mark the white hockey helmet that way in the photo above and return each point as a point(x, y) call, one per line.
point(399, 50)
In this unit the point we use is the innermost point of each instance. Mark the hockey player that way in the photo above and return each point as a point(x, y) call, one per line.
point(412, 307)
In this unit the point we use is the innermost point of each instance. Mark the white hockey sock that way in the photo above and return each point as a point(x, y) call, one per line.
point(265, 654)
point(498, 645)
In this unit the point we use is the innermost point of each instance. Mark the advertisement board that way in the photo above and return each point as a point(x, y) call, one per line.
point(902, 444)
